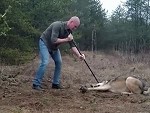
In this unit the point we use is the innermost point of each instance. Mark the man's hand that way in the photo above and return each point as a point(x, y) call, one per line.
point(82, 57)
point(70, 37)
point(64, 40)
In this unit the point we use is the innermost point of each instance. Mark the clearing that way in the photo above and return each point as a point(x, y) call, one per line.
point(17, 95)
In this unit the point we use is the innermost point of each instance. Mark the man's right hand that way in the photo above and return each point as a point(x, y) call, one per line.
point(70, 37)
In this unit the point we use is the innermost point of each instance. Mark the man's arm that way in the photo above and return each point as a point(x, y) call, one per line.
point(76, 52)
point(59, 41)
point(55, 39)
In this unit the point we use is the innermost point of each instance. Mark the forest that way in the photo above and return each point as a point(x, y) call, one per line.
point(127, 30)
point(116, 46)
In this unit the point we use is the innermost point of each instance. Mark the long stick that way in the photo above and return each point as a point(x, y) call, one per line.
point(86, 62)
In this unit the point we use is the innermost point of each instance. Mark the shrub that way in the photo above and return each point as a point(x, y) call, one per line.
point(14, 56)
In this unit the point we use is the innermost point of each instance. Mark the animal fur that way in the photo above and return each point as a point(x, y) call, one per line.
point(129, 85)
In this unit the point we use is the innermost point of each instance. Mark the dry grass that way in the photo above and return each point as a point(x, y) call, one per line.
point(17, 95)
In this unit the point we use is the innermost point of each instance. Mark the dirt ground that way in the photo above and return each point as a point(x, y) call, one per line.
point(17, 95)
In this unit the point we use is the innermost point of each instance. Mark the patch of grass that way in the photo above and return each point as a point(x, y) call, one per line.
point(14, 56)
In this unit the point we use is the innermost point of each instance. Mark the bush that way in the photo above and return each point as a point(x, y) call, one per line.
point(14, 56)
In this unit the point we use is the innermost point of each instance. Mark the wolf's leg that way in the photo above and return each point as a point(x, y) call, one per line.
point(134, 85)
point(147, 92)
point(100, 88)
point(99, 84)
point(126, 93)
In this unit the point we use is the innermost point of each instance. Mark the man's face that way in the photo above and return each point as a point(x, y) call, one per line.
point(73, 25)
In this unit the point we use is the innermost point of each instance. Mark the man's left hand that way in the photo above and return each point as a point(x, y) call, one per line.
point(82, 57)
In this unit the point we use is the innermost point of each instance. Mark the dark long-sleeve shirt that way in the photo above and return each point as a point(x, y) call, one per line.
point(56, 30)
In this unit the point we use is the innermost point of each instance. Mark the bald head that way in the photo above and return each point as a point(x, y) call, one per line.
point(73, 22)
point(75, 19)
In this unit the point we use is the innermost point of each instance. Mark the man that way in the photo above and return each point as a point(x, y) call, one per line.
point(57, 33)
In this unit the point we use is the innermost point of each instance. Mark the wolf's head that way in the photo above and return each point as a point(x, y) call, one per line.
point(83, 89)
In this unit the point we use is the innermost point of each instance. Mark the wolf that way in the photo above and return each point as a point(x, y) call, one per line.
point(123, 85)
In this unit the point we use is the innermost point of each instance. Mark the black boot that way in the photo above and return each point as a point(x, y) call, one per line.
point(57, 86)
point(36, 87)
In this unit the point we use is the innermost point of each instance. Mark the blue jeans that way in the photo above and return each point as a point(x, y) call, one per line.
point(45, 57)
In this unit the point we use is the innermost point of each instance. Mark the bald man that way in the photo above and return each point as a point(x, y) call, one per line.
point(57, 33)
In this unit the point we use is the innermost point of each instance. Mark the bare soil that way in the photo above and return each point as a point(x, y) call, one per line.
point(17, 95)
